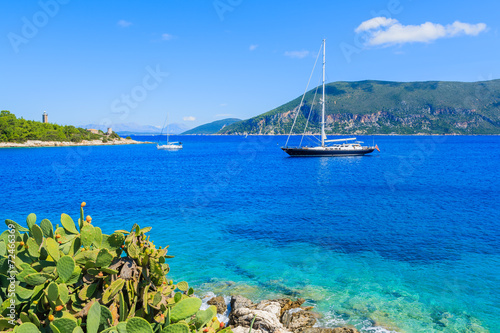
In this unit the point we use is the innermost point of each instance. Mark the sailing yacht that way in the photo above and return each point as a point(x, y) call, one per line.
point(339, 147)
point(169, 145)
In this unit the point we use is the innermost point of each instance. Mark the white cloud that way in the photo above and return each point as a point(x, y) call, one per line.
point(469, 29)
point(374, 23)
point(253, 47)
point(190, 118)
point(384, 31)
point(123, 23)
point(167, 37)
point(223, 104)
point(297, 54)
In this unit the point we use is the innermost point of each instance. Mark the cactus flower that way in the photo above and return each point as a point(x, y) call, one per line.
point(83, 204)
point(58, 236)
point(222, 325)
point(59, 307)
point(51, 317)
point(88, 218)
point(21, 243)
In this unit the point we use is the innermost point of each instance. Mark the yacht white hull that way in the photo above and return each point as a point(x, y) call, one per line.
point(169, 147)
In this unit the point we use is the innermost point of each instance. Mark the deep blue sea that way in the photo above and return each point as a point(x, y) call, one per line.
point(405, 240)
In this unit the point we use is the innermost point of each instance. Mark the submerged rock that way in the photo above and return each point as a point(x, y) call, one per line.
point(219, 303)
point(287, 304)
point(297, 320)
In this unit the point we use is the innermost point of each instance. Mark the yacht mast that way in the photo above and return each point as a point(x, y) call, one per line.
point(167, 127)
point(323, 135)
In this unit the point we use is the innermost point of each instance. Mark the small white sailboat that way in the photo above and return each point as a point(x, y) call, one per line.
point(169, 145)
point(340, 147)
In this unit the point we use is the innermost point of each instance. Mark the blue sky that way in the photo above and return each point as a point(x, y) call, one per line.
point(130, 61)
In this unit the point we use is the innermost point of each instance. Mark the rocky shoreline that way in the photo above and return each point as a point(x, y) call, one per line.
point(270, 316)
point(38, 143)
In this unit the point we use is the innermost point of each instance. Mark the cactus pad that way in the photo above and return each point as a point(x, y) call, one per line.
point(183, 286)
point(112, 290)
point(37, 233)
point(17, 226)
point(68, 224)
point(185, 308)
point(52, 292)
point(31, 220)
point(65, 324)
point(27, 328)
point(176, 328)
point(33, 248)
point(47, 228)
point(63, 293)
point(52, 248)
point(36, 279)
point(138, 325)
point(94, 318)
point(65, 267)
point(104, 258)
point(87, 235)
point(204, 316)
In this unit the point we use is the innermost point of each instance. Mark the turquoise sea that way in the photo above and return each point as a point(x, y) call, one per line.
point(405, 240)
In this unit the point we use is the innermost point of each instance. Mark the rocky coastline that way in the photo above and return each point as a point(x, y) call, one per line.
point(38, 143)
point(270, 316)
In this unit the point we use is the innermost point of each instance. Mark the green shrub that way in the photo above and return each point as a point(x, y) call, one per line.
point(104, 140)
point(74, 278)
point(76, 138)
point(128, 138)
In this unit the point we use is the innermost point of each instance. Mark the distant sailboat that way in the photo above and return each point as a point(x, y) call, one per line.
point(341, 147)
point(169, 145)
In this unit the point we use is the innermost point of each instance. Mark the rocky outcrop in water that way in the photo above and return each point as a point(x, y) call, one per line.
point(274, 316)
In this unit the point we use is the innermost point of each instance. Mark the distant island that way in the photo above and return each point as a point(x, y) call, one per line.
point(384, 107)
point(213, 127)
point(18, 132)
point(124, 129)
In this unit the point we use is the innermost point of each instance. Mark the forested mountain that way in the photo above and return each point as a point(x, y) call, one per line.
point(213, 127)
point(383, 107)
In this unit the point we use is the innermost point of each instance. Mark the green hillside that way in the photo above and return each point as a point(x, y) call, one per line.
point(14, 129)
point(383, 107)
point(213, 127)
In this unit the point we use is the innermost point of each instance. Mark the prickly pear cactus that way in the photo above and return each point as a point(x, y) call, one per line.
point(74, 278)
